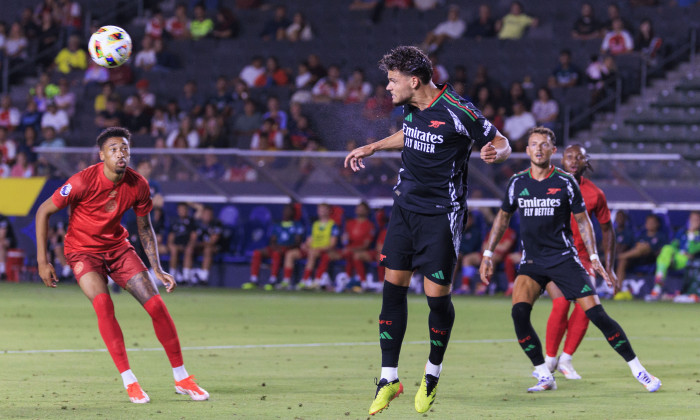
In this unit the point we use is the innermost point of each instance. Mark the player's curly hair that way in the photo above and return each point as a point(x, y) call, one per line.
point(408, 60)
point(110, 132)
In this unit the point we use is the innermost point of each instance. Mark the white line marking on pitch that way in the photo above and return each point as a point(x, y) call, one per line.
point(303, 345)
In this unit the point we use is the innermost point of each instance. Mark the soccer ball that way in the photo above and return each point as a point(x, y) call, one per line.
point(110, 46)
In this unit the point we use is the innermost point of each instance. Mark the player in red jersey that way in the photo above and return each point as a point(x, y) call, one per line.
point(97, 245)
point(358, 236)
point(576, 161)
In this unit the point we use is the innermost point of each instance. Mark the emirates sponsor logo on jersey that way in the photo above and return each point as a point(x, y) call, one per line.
point(538, 206)
point(65, 190)
point(423, 141)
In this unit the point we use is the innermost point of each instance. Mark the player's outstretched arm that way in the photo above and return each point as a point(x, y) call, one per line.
point(46, 270)
point(355, 157)
point(585, 227)
point(500, 224)
point(608, 233)
point(497, 150)
point(150, 247)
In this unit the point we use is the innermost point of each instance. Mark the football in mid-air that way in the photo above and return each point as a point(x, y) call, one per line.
point(110, 46)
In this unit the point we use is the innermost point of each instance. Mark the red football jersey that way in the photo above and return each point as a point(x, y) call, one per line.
point(595, 204)
point(97, 206)
point(358, 232)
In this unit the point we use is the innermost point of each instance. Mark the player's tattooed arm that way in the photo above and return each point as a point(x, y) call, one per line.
point(608, 233)
point(150, 247)
point(585, 227)
point(148, 240)
point(500, 224)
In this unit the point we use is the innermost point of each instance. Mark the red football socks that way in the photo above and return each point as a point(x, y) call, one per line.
point(165, 329)
point(578, 324)
point(556, 325)
point(110, 330)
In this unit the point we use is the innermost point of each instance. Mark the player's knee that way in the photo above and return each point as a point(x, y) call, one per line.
point(442, 306)
point(598, 316)
point(521, 311)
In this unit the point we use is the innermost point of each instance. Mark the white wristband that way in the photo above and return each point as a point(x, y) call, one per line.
point(488, 253)
point(594, 257)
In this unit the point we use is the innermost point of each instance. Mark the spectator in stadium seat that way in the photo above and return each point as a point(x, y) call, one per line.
point(9, 115)
point(516, 93)
point(95, 74)
point(226, 24)
point(146, 58)
point(299, 30)
point(515, 23)
point(484, 26)
point(22, 167)
point(207, 241)
point(122, 75)
point(182, 233)
point(51, 139)
point(440, 74)
point(190, 102)
point(545, 109)
point(378, 106)
point(614, 13)
point(618, 40)
point(55, 117)
point(452, 28)
point(645, 250)
point(136, 119)
point(301, 137)
point(646, 42)
point(178, 26)
point(276, 113)
point(28, 24)
point(517, 125)
point(72, 57)
point(65, 99)
point(274, 75)
point(111, 116)
point(156, 25)
point(316, 68)
point(161, 124)
point(624, 232)
point(565, 74)
point(31, 117)
point(211, 169)
point(8, 146)
point(274, 28)
point(222, 98)
point(185, 130)
point(586, 25)
point(322, 239)
point(329, 88)
point(489, 112)
point(246, 124)
point(250, 73)
point(16, 44)
point(201, 26)
point(165, 60)
point(28, 143)
point(357, 89)
point(214, 133)
point(268, 137)
point(47, 37)
point(303, 79)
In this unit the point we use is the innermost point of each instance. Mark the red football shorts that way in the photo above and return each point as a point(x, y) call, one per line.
point(120, 264)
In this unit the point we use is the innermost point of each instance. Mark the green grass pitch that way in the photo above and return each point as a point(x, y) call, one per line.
point(315, 356)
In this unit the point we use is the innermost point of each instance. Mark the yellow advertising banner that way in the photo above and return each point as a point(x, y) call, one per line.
point(17, 195)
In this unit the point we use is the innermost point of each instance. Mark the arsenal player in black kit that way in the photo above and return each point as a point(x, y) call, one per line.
point(439, 131)
point(545, 197)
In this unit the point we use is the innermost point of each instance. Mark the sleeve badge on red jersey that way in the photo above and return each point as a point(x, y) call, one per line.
point(65, 190)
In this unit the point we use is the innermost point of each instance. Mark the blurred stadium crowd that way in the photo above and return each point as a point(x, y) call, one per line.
point(270, 76)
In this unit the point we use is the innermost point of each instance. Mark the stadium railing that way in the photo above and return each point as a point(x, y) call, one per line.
point(633, 181)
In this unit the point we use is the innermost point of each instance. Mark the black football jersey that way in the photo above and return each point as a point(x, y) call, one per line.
point(545, 209)
point(437, 144)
